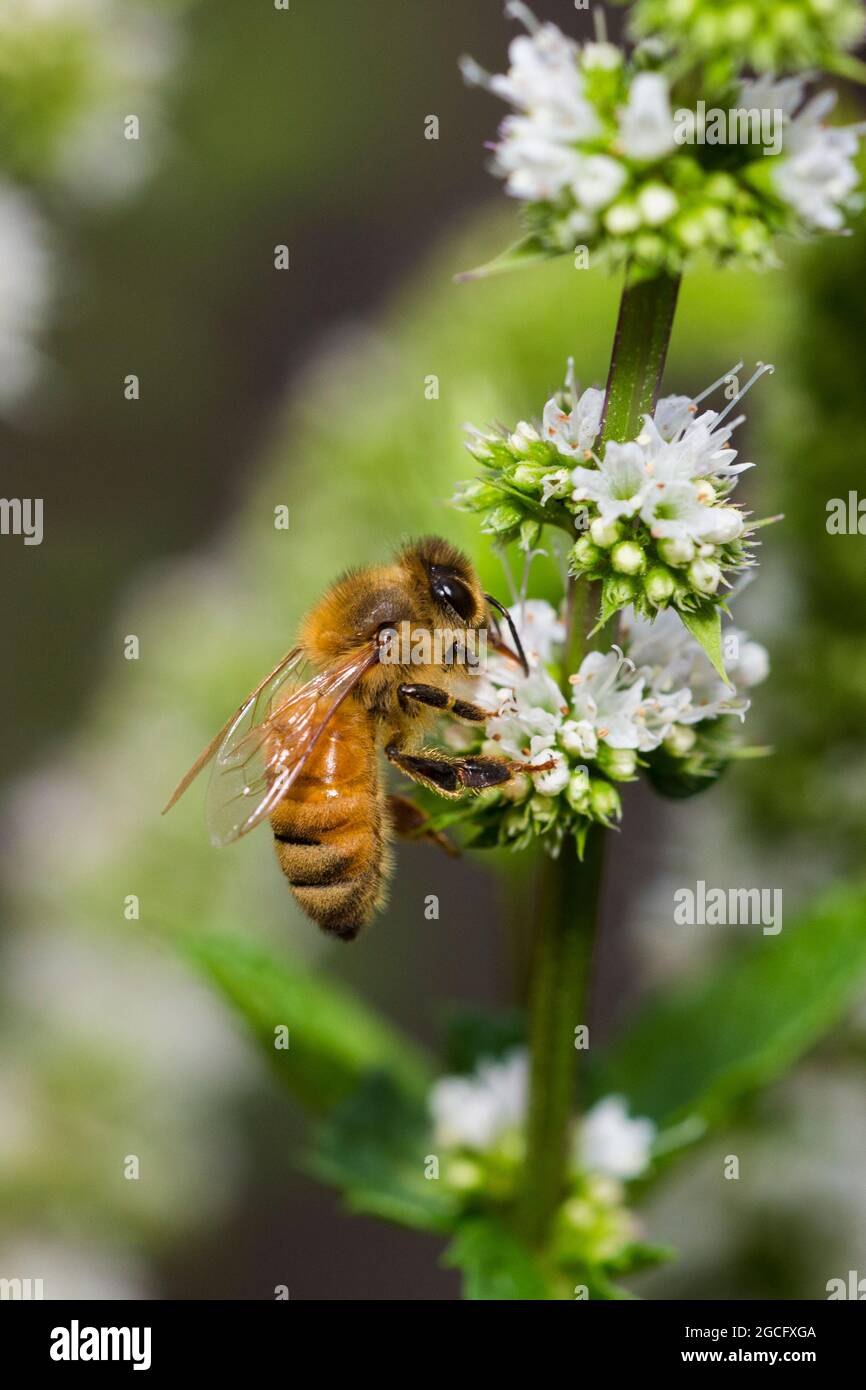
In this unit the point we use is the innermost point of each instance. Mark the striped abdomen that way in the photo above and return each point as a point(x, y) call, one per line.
point(330, 829)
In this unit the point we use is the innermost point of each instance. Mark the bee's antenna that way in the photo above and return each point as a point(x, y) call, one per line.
point(513, 630)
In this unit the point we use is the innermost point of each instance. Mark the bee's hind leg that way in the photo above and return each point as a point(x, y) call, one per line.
point(411, 823)
point(451, 776)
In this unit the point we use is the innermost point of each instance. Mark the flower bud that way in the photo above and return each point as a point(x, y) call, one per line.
point(656, 203)
point(680, 741)
point(723, 524)
point(676, 551)
point(524, 436)
point(622, 218)
point(619, 589)
point(479, 448)
point(578, 737)
point(527, 476)
point(659, 586)
point(618, 763)
point(705, 576)
point(604, 800)
point(530, 533)
point(605, 533)
point(477, 495)
point(543, 810)
point(628, 558)
point(585, 554)
point(578, 791)
point(502, 518)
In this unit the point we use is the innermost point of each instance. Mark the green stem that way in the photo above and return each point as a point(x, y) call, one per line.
point(579, 605)
point(566, 911)
point(640, 347)
point(569, 888)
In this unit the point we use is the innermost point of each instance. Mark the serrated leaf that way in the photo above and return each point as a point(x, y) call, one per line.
point(334, 1038)
point(698, 1052)
point(705, 625)
point(528, 251)
point(496, 1265)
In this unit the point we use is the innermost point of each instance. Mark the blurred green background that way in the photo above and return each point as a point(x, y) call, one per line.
point(306, 388)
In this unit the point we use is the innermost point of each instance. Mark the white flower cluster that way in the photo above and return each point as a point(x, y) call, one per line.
point(478, 1112)
point(656, 522)
point(818, 175)
point(593, 150)
point(657, 692)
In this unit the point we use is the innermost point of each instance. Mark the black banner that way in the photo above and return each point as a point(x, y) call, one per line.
point(152, 1339)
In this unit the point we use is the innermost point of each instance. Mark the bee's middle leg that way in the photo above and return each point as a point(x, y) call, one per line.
point(436, 698)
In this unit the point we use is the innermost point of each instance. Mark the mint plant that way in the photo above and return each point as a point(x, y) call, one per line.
point(524, 1146)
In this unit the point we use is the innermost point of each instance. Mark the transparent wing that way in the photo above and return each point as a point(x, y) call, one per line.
point(271, 683)
point(271, 738)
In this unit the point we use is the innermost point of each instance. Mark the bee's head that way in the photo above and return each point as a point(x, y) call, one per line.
point(430, 591)
point(443, 581)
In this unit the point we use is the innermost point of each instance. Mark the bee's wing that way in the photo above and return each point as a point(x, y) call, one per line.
point(266, 746)
point(260, 698)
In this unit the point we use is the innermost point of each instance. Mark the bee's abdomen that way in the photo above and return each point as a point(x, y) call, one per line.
point(330, 832)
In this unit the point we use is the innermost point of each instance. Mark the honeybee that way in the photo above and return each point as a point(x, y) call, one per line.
point(305, 753)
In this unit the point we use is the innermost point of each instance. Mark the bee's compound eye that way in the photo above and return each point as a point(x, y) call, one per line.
point(451, 591)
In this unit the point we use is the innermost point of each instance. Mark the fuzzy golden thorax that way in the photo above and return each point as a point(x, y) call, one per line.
point(430, 588)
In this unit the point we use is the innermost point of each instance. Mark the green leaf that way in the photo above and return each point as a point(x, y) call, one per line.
point(528, 251)
point(705, 625)
point(334, 1039)
point(375, 1147)
point(496, 1265)
point(704, 1048)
